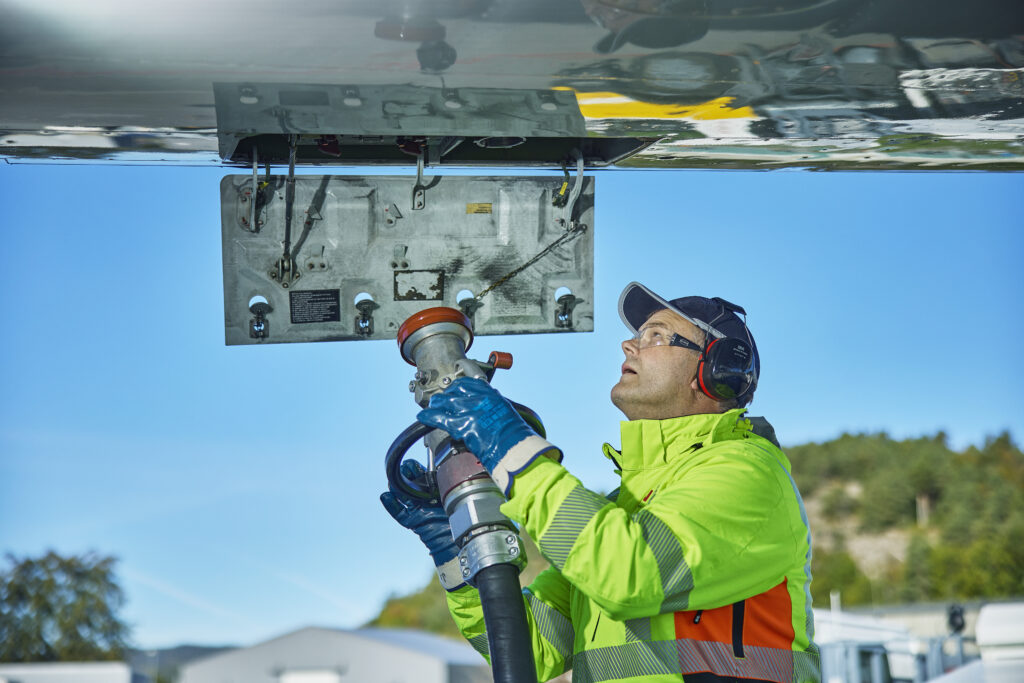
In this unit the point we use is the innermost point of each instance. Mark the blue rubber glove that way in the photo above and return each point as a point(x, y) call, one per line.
point(473, 412)
point(428, 521)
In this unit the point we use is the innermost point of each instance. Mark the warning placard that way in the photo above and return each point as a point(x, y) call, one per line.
point(478, 208)
point(315, 306)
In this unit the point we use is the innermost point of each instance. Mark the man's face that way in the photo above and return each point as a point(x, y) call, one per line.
point(657, 382)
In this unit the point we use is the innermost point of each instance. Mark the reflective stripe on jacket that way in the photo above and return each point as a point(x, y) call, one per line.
point(697, 567)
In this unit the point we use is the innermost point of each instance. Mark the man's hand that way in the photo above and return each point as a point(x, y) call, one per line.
point(473, 412)
point(428, 521)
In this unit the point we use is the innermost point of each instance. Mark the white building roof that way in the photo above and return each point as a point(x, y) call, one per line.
point(331, 655)
point(833, 627)
point(66, 672)
point(453, 652)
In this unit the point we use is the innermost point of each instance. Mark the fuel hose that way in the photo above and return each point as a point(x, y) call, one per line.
point(508, 633)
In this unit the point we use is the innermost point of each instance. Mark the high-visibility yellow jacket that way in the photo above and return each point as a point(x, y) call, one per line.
point(696, 568)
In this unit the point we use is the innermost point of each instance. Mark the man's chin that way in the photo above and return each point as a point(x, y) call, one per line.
point(620, 395)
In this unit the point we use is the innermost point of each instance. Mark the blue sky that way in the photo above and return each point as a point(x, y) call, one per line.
point(238, 486)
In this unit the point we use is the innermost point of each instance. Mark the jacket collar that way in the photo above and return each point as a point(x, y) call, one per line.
point(647, 444)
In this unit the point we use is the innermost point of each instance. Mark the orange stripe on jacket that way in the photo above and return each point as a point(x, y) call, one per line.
point(767, 621)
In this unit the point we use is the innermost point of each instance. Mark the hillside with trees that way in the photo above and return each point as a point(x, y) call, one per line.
point(893, 522)
point(908, 521)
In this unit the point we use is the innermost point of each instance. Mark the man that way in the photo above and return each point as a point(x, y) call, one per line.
point(698, 567)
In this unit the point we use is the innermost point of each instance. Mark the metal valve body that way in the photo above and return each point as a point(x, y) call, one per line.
point(436, 341)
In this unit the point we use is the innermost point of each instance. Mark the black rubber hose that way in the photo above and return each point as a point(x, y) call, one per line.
point(508, 634)
point(418, 430)
point(531, 418)
point(393, 460)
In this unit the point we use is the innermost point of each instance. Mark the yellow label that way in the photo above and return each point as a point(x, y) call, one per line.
point(478, 208)
point(612, 105)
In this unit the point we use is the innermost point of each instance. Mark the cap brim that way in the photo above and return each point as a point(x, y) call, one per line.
point(637, 303)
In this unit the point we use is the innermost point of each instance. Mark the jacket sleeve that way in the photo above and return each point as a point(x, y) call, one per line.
point(716, 535)
point(547, 613)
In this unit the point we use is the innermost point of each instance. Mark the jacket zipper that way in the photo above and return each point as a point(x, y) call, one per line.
point(738, 608)
point(593, 637)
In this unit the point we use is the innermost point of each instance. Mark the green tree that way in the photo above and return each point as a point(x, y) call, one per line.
point(427, 608)
point(889, 499)
point(55, 608)
point(836, 570)
point(837, 504)
point(916, 585)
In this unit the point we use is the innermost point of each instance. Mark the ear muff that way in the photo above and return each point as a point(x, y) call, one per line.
point(726, 369)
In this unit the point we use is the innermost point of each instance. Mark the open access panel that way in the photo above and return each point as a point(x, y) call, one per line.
point(359, 255)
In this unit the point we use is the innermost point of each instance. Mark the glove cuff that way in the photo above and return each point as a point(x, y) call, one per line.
point(450, 574)
point(518, 458)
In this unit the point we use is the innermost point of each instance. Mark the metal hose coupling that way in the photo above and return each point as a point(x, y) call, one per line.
point(473, 501)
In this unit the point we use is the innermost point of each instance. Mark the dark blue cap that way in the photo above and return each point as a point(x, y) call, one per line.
point(717, 317)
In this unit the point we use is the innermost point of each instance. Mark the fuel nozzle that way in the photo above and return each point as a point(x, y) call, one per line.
point(435, 341)
point(491, 554)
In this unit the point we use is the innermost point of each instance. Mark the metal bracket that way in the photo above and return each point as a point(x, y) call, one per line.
point(563, 314)
point(259, 327)
point(392, 214)
point(285, 272)
point(570, 204)
point(469, 306)
point(251, 195)
point(254, 191)
point(560, 197)
point(318, 262)
point(364, 321)
point(419, 190)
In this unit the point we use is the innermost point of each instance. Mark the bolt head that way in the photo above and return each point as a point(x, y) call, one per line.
point(463, 561)
point(510, 539)
point(465, 572)
point(446, 381)
point(513, 551)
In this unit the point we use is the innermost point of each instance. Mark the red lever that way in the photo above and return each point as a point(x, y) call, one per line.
point(501, 360)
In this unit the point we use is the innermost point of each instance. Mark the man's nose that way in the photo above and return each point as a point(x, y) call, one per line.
point(630, 347)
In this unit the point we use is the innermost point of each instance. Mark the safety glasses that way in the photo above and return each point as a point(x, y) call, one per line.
point(659, 336)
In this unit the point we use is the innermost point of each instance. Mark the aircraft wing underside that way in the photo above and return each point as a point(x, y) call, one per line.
point(823, 84)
